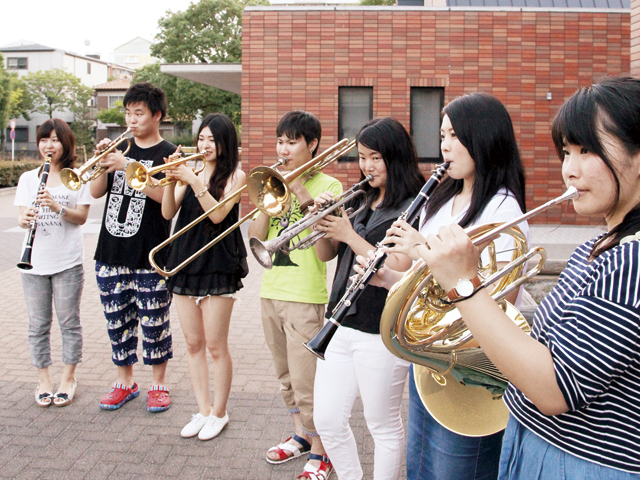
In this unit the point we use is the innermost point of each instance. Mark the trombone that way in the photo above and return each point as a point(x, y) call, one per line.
point(268, 190)
point(264, 250)
point(73, 178)
point(139, 176)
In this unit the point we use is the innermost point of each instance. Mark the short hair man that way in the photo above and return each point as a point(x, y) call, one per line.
point(293, 295)
point(130, 290)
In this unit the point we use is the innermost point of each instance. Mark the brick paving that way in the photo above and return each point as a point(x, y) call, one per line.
point(81, 441)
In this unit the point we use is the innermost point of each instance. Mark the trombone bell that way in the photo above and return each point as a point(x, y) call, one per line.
point(268, 191)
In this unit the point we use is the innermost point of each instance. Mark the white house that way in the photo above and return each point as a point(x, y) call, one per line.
point(23, 57)
point(134, 54)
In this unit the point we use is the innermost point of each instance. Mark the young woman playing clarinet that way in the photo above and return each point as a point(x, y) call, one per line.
point(484, 184)
point(356, 360)
point(575, 382)
point(57, 275)
point(204, 291)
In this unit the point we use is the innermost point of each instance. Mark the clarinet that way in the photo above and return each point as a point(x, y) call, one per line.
point(25, 262)
point(318, 344)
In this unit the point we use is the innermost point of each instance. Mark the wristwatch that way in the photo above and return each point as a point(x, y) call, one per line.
point(63, 211)
point(464, 288)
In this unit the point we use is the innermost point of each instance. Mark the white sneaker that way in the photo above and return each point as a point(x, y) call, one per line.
point(192, 428)
point(213, 427)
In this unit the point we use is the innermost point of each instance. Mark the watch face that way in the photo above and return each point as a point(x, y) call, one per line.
point(464, 287)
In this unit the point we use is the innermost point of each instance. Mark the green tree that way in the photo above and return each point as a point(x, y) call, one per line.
point(55, 89)
point(112, 115)
point(5, 99)
point(187, 99)
point(21, 103)
point(209, 31)
point(377, 2)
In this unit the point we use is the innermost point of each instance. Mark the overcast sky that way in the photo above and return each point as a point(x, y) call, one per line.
point(67, 24)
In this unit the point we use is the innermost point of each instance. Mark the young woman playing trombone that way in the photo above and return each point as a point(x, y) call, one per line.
point(204, 291)
point(57, 275)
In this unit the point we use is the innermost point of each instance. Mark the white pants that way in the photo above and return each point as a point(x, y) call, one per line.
point(358, 362)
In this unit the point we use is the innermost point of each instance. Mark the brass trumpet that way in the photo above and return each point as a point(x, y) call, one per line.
point(73, 178)
point(419, 326)
point(264, 250)
point(139, 177)
point(267, 189)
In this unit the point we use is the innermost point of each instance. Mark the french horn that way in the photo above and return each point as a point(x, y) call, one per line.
point(459, 386)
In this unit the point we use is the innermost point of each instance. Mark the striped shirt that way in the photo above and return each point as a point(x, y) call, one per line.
point(591, 324)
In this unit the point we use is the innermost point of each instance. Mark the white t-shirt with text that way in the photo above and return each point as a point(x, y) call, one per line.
point(57, 245)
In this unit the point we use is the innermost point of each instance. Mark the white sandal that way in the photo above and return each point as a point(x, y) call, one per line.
point(64, 399)
point(43, 399)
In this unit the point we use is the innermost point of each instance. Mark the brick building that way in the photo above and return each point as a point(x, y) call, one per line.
point(348, 64)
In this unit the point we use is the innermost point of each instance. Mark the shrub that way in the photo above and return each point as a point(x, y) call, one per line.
point(10, 171)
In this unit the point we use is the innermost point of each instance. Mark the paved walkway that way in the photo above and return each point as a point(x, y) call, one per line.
point(82, 441)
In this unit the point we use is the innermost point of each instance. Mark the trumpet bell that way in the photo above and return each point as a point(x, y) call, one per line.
point(70, 179)
point(137, 176)
point(268, 191)
point(261, 252)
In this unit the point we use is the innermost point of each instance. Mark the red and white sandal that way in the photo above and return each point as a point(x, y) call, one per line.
point(287, 451)
point(323, 472)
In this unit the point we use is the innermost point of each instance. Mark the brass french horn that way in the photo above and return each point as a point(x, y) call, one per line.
point(459, 386)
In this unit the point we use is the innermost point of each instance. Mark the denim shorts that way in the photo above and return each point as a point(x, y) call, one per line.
point(526, 456)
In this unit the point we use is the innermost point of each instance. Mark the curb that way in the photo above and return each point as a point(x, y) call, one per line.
point(7, 191)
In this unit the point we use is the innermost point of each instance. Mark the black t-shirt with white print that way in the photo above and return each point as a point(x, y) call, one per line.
point(132, 224)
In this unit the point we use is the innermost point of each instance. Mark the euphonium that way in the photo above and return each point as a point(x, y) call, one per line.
point(458, 384)
point(73, 178)
point(139, 177)
point(264, 250)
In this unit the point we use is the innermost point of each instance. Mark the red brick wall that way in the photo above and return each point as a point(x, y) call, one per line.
point(635, 37)
point(297, 59)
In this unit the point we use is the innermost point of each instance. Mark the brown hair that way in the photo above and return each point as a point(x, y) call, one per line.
point(65, 137)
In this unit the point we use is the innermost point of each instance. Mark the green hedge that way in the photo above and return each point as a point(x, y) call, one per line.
point(10, 171)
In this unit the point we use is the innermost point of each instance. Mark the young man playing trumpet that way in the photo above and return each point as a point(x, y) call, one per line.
point(130, 290)
point(293, 296)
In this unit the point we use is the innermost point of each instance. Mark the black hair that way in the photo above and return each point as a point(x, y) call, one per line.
point(226, 140)
point(153, 97)
point(65, 137)
point(483, 126)
point(612, 107)
point(298, 124)
point(390, 139)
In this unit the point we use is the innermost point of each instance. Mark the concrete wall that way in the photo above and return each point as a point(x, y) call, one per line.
point(296, 58)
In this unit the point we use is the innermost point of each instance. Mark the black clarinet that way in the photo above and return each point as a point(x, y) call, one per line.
point(318, 344)
point(25, 262)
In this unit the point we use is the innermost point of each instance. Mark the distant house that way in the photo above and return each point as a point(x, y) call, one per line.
point(134, 54)
point(23, 57)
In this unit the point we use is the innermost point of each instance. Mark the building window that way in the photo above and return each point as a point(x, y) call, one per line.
point(355, 108)
point(113, 99)
point(426, 105)
point(88, 68)
point(22, 134)
point(17, 63)
point(131, 59)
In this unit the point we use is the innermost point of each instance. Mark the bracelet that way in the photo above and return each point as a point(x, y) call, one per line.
point(202, 192)
point(461, 299)
point(63, 211)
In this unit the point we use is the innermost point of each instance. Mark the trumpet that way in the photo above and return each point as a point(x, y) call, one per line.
point(267, 189)
point(418, 325)
point(318, 344)
point(25, 261)
point(73, 178)
point(139, 177)
point(264, 250)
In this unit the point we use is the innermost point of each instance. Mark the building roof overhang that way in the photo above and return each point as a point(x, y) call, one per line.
point(225, 76)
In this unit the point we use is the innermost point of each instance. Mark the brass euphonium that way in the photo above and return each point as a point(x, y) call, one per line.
point(73, 178)
point(458, 384)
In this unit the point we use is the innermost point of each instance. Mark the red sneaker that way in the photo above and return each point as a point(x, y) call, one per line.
point(158, 399)
point(118, 396)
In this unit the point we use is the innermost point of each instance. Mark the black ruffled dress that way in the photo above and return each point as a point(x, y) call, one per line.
point(220, 269)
